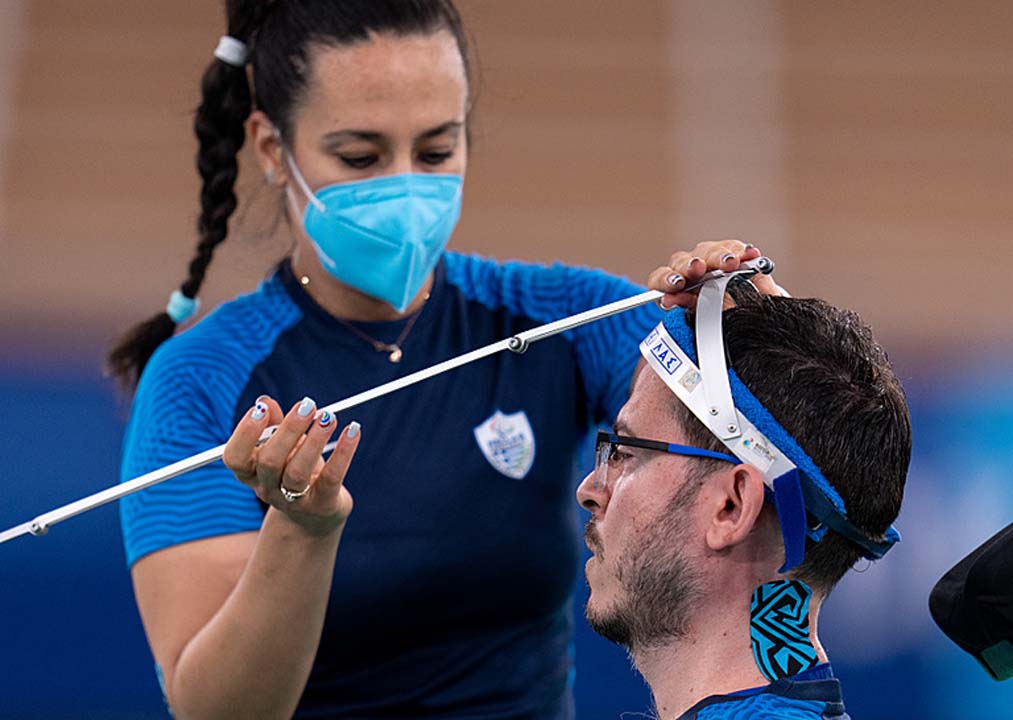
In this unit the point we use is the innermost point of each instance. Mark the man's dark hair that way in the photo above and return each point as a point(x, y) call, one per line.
point(820, 373)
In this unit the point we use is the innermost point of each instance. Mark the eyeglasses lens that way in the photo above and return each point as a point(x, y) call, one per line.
point(601, 464)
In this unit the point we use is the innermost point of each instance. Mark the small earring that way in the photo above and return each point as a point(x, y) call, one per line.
point(269, 176)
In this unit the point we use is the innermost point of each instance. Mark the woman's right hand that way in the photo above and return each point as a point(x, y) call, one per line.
point(687, 268)
point(234, 620)
point(292, 458)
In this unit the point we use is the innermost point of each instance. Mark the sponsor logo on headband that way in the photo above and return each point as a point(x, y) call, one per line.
point(691, 380)
point(664, 354)
point(756, 449)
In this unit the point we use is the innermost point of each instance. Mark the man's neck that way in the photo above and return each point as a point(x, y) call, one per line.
point(714, 658)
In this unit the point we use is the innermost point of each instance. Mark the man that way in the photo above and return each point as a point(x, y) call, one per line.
point(713, 556)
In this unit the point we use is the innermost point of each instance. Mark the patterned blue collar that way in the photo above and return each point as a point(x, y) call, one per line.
point(815, 690)
point(822, 671)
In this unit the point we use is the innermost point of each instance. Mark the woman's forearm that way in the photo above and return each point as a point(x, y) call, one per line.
point(252, 659)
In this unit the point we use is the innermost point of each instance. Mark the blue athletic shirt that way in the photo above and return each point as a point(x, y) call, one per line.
point(811, 695)
point(451, 592)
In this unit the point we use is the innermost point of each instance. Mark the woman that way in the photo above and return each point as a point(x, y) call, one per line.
point(451, 598)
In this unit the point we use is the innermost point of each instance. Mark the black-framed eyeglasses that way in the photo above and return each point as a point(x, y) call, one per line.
point(607, 455)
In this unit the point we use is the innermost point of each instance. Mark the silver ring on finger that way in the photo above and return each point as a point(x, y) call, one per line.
point(292, 495)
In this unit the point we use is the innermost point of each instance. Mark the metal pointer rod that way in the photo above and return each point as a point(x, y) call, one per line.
point(518, 344)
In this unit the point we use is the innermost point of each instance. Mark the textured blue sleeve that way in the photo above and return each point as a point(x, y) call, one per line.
point(185, 404)
point(606, 350)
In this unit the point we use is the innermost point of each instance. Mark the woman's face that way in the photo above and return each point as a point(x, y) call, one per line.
point(391, 105)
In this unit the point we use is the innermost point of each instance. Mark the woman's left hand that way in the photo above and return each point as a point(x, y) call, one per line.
point(686, 268)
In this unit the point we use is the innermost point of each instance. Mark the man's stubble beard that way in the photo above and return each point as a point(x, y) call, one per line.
point(658, 584)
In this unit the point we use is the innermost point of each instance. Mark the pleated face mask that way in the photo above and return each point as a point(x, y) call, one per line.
point(382, 236)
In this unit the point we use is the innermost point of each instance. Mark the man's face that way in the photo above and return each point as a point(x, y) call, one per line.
point(642, 578)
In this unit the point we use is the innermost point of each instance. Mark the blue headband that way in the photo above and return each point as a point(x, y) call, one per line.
point(796, 491)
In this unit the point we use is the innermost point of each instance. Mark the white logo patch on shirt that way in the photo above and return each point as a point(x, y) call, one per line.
point(508, 443)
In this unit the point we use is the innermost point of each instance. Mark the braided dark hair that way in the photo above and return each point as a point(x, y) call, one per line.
point(278, 35)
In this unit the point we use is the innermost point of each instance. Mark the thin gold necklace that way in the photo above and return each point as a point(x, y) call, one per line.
point(393, 350)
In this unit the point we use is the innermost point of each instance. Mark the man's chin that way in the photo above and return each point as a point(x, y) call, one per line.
point(608, 623)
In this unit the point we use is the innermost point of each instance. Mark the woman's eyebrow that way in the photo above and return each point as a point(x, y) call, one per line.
point(452, 125)
point(338, 136)
point(346, 135)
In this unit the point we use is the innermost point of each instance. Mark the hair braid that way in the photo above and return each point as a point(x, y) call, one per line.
point(219, 125)
point(219, 129)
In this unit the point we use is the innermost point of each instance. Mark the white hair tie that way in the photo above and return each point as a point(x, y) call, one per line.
point(231, 51)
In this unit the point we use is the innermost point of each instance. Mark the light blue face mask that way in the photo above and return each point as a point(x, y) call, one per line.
point(382, 236)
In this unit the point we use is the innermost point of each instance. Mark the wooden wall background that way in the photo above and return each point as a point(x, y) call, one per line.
point(868, 146)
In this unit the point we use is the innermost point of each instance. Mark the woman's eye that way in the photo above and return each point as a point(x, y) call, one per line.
point(358, 161)
point(435, 158)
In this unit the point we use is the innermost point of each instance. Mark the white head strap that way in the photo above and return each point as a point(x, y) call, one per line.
point(723, 419)
point(706, 391)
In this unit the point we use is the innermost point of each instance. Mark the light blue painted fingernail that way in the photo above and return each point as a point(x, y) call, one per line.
point(324, 418)
point(259, 412)
point(306, 407)
point(353, 430)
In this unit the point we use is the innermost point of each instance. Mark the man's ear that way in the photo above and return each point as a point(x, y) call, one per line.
point(734, 505)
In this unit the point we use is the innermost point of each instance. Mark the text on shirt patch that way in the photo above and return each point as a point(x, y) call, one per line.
point(508, 443)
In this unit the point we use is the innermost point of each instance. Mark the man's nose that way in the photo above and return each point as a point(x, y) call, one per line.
point(591, 496)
